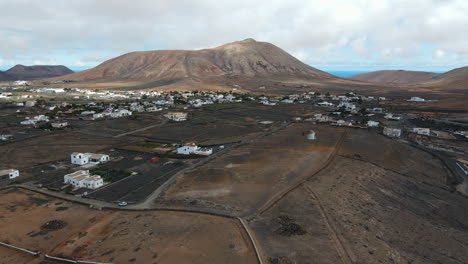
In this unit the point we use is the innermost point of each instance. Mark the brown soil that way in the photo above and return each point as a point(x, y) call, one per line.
point(248, 176)
point(118, 237)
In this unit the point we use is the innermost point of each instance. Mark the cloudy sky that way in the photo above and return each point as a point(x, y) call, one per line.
point(331, 35)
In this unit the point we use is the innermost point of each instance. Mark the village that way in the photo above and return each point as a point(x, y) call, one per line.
point(40, 111)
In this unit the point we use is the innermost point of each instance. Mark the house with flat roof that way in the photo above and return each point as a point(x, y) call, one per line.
point(79, 158)
point(192, 148)
point(9, 174)
point(392, 132)
point(82, 179)
point(422, 131)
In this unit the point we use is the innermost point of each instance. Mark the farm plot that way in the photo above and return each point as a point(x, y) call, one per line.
point(137, 187)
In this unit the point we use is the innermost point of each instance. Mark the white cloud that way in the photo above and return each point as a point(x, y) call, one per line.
point(324, 32)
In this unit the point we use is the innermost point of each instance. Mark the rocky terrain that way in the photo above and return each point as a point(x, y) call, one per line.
point(35, 72)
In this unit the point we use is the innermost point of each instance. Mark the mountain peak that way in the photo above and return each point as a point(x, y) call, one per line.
point(248, 40)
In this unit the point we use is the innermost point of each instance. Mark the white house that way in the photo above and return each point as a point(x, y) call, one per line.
point(85, 158)
point(176, 116)
point(392, 132)
point(392, 117)
point(97, 116)
point(187, 149)
point(311, 135)
point(347, 105)
point(203, 151)
point(422, 131)
point(371, 123)
point(59, 124)
point(416, 99)
point(325, 104)
point(82, 179)
point(9, 173)
point(21, 83)
point(192, 148)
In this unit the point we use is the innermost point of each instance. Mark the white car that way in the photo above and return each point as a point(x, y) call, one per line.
point(123, 203)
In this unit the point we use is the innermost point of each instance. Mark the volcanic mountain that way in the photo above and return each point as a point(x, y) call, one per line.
point(394, 77)
point(21, 72)
point(247, 58)
point(5, 77)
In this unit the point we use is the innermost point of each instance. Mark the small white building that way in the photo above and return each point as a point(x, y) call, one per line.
point(311, 135)
point(187, 149)
point(416, 99)
point(59, 124)
point(203, 151)
point(325, 104)
point(21, 83)
point(86, 158)
point(392, 132)
point(371, 123)
point(422, 131)
point(9, 174)
point(82, 179)
point(192, 148)
point(176, 116)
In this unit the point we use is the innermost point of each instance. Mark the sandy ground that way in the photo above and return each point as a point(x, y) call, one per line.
point(392, 204)
point(246, 177)
point(314, 246)
point(117, 236)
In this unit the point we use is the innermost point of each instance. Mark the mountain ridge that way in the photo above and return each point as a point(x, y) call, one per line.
point(248, 58)
point(35, 72)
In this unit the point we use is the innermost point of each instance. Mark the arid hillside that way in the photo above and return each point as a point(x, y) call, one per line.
point(395, 77)
point(454, 79)
point(21, 72)
point(5, 77)
point(247, 58)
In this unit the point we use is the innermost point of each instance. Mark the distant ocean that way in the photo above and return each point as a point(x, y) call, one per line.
point(345, 74)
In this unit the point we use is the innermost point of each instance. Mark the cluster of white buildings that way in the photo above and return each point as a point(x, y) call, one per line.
point(82, 178)
point(80, 159)
point(34, 120)
point(112, 113)
point(192, 148)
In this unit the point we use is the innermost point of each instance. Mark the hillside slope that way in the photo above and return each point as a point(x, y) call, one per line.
point(5, 77)
point(395, 77)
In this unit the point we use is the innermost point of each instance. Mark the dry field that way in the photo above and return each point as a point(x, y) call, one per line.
point(246, 178)
point(47, 148)
point(391, 204)
point(116, 236)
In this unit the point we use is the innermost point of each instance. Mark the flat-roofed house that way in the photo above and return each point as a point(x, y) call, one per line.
point(392, 132)
point(9, 174)
point(82, 179)
point(79, 158)
point(422, 131)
